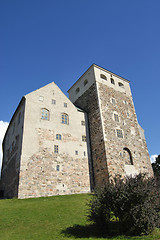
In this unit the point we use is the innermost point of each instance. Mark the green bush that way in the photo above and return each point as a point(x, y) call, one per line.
point(131, 206)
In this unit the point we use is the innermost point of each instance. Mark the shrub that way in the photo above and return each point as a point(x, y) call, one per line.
point(133, 204)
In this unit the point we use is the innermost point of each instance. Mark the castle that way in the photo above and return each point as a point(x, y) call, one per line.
point(55, 145)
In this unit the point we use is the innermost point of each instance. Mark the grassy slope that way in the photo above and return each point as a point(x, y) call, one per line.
point(60, 217)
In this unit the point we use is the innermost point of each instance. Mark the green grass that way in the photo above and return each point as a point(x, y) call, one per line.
point(60, 217)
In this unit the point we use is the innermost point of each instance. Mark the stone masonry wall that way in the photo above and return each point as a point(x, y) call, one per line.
point(40, 176)
point(116, 155)
point(89, 102)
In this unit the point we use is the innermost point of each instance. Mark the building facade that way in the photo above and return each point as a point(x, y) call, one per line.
point(55, 145)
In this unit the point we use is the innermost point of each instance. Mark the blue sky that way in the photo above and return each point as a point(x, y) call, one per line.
point(57, 40)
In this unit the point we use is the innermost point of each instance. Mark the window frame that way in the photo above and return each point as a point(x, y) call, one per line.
point(65, 104)
point(53, 101)
point(56, 148)
point(83, 123)
point(120, 84)
point(103, 76)
point(58, 136)
point(57, 167)
point(84, 139)
point(112, 81)
point(65, 118)
point(119, 133)
point(116, 117)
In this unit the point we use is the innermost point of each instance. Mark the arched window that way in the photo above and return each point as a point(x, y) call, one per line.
point(112, 81)
point(103, 76)
point(127, 156)
point(44, 114)
point(121, 84)
point(85, 82)
point(65, 118)
point(58, 137)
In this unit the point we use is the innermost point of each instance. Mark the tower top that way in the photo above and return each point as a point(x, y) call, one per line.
point(101, 68)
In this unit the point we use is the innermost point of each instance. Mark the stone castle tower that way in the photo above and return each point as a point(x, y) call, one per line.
point(117, 141)
point(55, 145)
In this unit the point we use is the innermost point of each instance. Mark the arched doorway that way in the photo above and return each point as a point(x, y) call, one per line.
point(127, 156)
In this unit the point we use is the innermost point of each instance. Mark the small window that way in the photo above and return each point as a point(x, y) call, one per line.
point(53, 101)
point(83, 138)
point(84, 153)
point(85, 82)
point(77, 90)
point(116, 118)
point(40, 98)
point(58, 137)
point(58, 168)
point(55, 148)
point(113, 101)
point(65, 118)
point(44, 114)
point(103, 76)
point(83, 123)
point(127, 114)
point(76, 152)
point(119, 133)
point(65, 104)
point(112, 81)
point(121, 84)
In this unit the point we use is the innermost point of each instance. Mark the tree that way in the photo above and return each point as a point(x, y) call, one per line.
point(132, 206)
point(156, 166)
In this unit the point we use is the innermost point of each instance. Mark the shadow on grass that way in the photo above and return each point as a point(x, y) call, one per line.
point(88, 231)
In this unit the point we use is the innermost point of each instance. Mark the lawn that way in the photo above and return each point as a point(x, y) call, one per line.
point(59, 217)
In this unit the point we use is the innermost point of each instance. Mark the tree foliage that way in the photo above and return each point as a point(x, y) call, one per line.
point(156, 166)
point(132, 204)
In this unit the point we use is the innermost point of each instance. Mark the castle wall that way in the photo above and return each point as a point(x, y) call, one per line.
point(44, 172)
point(12, 145)
point(52, 147)
point(89, 102)
point(117, 158)
point(120, 142)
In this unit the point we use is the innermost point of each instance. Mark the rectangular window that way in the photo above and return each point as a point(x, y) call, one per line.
point(65, 104)
point(58, 168)
point(116, 118)
point(84, 153)
point(55, 148)
point(83, 123)
point(119, 133)
point(113, 101)
point(53, 101)
point(76, 152)
point(83, 138)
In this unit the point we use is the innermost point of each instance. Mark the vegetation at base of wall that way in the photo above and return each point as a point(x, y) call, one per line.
point(130, 207)
point(156, 167)
point(50, 218)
